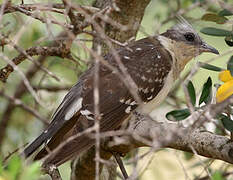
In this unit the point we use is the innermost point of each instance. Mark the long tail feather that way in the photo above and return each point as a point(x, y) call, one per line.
point(70, 149)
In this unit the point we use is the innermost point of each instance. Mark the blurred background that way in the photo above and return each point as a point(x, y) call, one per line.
point(23, 126)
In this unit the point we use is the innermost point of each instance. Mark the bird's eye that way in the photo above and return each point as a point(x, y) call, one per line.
point(189, 37)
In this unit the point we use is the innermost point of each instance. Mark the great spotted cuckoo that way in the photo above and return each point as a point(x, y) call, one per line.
point(154, 63)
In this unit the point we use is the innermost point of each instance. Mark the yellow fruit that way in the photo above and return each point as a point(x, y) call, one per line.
point(224, 91)
point(225, 76)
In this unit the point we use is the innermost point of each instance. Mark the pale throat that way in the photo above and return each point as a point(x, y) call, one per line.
point(181, 53)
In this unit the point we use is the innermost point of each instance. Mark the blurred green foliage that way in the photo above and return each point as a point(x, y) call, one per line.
point(16, 169)
point(27, 32)
point(217, 175)
point(219, 18)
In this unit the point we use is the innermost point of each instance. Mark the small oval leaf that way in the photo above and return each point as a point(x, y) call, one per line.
point(214, 18)
point(206, 92)
point(226, 121)
point(210, 67)
point(178, 115)
point(192, 93)
point(225, 12)
point(216, 32)
point(230, 65)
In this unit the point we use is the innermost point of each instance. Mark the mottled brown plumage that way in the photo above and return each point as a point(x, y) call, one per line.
point(153, 63)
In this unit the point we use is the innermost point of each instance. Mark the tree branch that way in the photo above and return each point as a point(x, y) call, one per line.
point(34, 51)
point(21, 88)
point(11, 8)
point(144, 131)
point(169, 135)
point(52, 88)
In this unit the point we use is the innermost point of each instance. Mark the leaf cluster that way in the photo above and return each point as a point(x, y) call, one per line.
point(205, 98)
point(220, 18)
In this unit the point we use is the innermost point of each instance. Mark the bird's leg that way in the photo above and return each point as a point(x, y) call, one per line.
point(120, 163)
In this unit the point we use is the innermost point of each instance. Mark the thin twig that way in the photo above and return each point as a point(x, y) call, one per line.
point(33, 51)
point(40, 18)
point(52, 88)
point(10, 8)
point(25, 80)
point(121, 165)
point(21, 89)
point(19, 103)
point(13, 152)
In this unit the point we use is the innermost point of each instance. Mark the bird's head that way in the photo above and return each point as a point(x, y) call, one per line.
point(185, 43)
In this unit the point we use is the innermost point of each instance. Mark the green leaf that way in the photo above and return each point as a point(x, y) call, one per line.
point(14, 167)
point(216, 32)
point(214, 18)
point(230, 65)
point(1, 166)
point(206, 92)
point(229, 40)
point(188, 155)
point(192, 93)
point(225, 12)
point(178, 115)
point(210, 67)
point(217, 175)
point(226, 121)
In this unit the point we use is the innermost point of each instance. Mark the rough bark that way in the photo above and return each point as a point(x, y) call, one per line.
point(170, 135)
point(130, 14)
point(144, 131)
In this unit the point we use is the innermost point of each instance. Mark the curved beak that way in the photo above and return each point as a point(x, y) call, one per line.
point(207, 48)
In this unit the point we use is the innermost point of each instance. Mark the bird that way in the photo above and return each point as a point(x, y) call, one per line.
point(153, 63)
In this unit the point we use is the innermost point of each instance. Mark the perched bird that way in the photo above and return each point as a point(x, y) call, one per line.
point(154, 63)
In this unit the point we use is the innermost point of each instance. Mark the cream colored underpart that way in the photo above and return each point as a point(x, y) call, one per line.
point(172, 76)
point(169, 46)
point(150, 106)
point(180, 53)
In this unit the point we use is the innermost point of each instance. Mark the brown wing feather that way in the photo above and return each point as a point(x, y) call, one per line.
point(113, 115)
point(137, 62)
